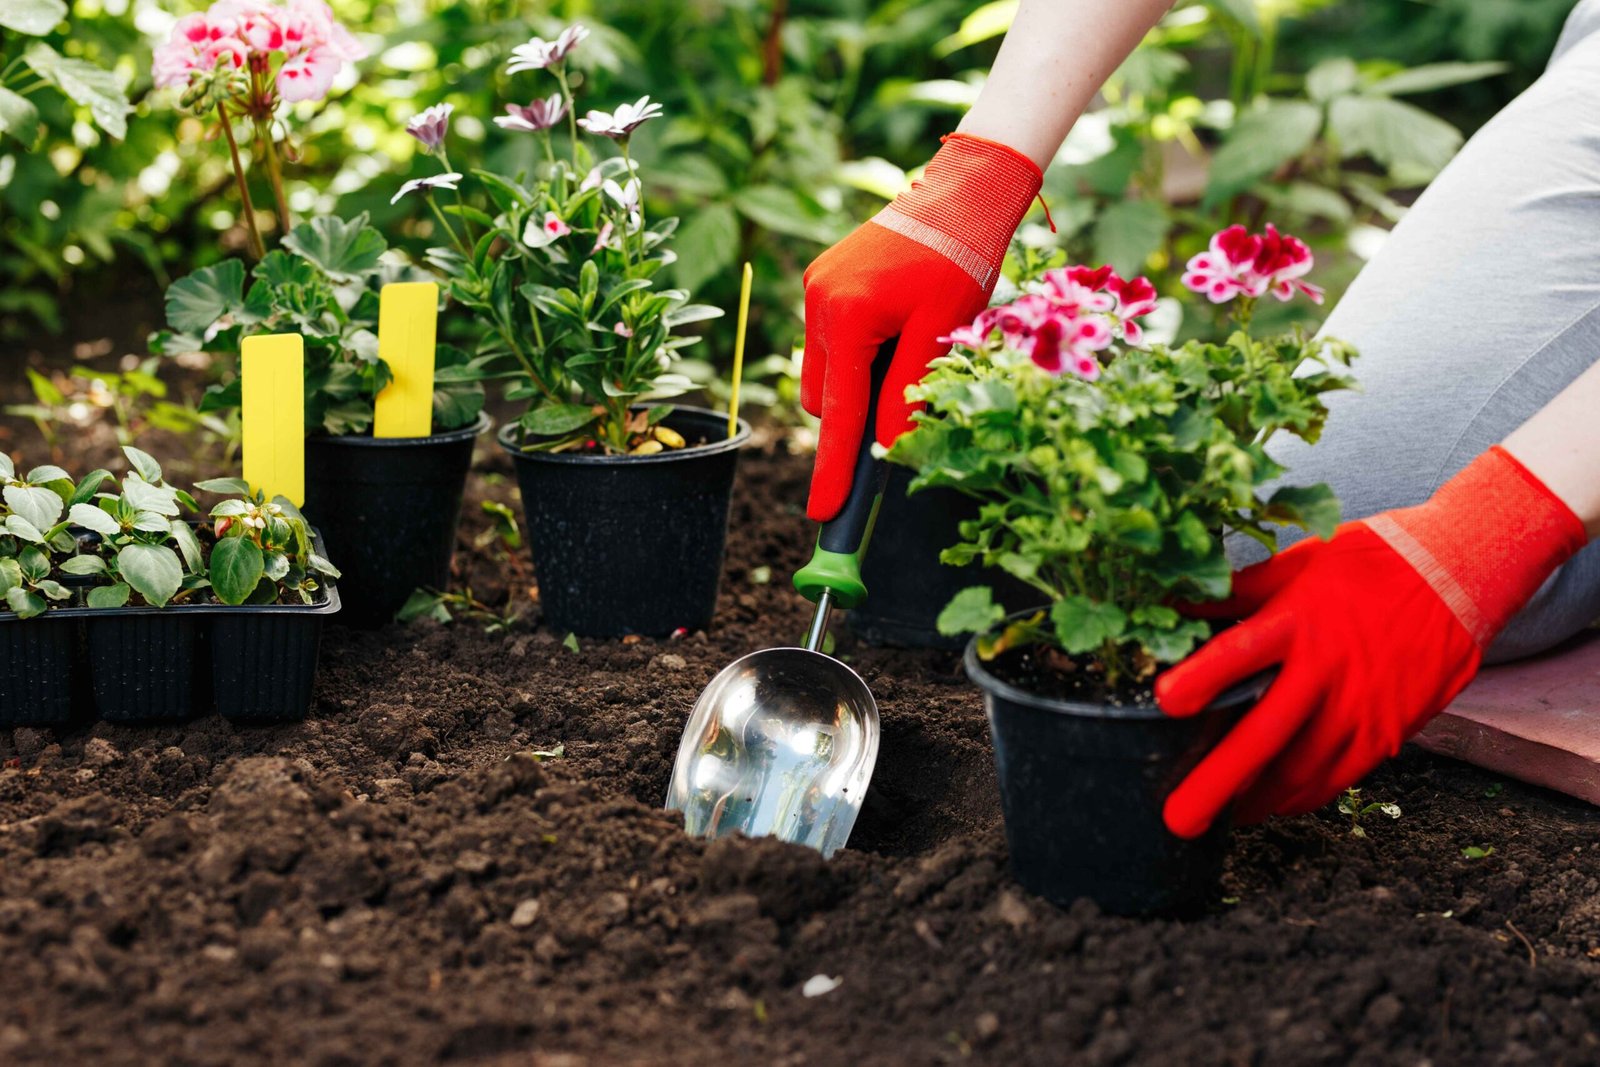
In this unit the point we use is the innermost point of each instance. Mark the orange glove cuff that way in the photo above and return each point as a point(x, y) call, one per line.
point(1485, 541)
point(968, 204)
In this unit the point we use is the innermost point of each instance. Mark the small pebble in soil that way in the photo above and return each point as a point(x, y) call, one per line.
point(525, 913)
point(670, 661)
point(820, 985)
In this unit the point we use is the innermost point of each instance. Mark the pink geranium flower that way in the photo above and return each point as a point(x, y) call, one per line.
point(1239, 263)
point(251, 33)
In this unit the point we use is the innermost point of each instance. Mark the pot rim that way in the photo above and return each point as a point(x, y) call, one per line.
point(1248, 691)
point(674, 456)
point(366, 440)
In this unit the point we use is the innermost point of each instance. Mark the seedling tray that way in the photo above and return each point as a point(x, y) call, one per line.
point(146, 664)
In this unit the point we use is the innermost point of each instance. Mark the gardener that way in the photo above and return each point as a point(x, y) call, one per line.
point(1472, 453)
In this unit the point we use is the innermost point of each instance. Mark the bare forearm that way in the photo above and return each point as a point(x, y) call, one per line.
point(1054, 59)
point(1560, 444)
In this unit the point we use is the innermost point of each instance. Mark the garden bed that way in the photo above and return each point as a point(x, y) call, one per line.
point(401, 880)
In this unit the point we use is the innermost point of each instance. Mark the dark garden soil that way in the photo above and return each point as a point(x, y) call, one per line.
point(403, 879)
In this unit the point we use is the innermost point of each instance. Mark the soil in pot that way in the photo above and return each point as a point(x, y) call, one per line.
point(388, 509)
point(631, 544)
point(1083, 776)
point(907, 584)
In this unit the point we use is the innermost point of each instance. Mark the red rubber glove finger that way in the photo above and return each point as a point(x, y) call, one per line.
point(814, 364)
point(845, 392)
point(1240, 758)
point(919, 345)
point(1227, 659)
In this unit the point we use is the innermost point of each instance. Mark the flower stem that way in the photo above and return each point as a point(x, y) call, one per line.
point(257, 249)
point(560, 71)
point(466, 223)
point(275, 173)
point(455, 238)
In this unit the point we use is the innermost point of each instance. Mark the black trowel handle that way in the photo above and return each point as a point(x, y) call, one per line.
point(836, 563)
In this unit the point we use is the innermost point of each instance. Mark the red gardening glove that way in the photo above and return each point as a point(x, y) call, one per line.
point(1373, 633)
point(923, 266)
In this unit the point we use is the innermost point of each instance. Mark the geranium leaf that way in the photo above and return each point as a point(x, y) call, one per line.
point(152, 570)
point(236, 568)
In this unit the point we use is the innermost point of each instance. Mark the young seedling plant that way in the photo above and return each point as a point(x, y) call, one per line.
point(35, 534)
point(263, 549)
point(1351, 804)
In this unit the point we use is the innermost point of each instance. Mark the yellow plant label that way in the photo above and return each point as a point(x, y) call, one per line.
point(408, 323)
point(273, 388)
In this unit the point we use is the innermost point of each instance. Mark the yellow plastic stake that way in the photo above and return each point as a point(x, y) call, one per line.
point(274, 412)
point(738, 352)
point(408, 324)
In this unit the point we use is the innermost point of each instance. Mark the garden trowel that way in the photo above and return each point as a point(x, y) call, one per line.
point(783, 741)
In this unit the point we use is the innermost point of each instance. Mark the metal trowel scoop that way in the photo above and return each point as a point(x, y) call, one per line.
point(782, 742)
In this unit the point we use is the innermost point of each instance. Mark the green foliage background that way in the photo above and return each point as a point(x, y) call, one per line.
point(788, 121)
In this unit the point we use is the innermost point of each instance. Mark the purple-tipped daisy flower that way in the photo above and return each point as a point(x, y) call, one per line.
point(535, 117)
point(431, 126)
point(539, 53)
point(623, 121)
point(448, 180)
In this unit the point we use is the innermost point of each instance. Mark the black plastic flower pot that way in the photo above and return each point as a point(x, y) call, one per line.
point(36, 676)
point(1082, 788)
point(264, 659)
point(907, 584)
point(631, 544)
point(388, 508)
point(144, 664)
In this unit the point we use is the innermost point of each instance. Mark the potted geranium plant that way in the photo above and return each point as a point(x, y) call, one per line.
point(558, 269)
point(1108, 472)
point(238, 63)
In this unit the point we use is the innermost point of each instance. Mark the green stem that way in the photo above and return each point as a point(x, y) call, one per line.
point(560, 71)
point(269, 151)
point(455, 238)
point(466, 223)
point(257, 248)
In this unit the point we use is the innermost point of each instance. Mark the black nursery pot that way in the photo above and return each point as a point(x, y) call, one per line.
point(388, 509)
point(908, 585)
point(1082, 787)
point(631, 544)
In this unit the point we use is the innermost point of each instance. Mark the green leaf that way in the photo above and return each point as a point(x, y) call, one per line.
point(19, 117)
point(784, 211)
point(1127, 232)
point(1431, 76)
point(34, 563)
point(1261, 141)
point(707, 245)
point(570, 643)
point(971, 611)
point(108, 596)
point(84, 565)
point(1083, 625)
point(196, 302)
point(32, 17)
point(189, 546)
point(26, 604)
point(8, 469)
point(1311, 507)
point(39, 507)
point(1331, 78)
point(17, 526)
point(552, 420)
point(84, 84)
point(152, 570)
point(10, 574)
point(160, 499)
point(984, 23)
point(1241, 11)
point(226, 486)
point(344, 250)
point(54, 590)
point(236, 569)
point(144, 463)
point(85, 490)
point(1411, 143)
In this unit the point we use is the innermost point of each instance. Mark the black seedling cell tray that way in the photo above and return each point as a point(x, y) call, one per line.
point(146, 664)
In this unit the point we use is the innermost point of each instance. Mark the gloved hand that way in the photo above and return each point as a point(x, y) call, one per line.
point(923, 266)
point(1373, 633)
